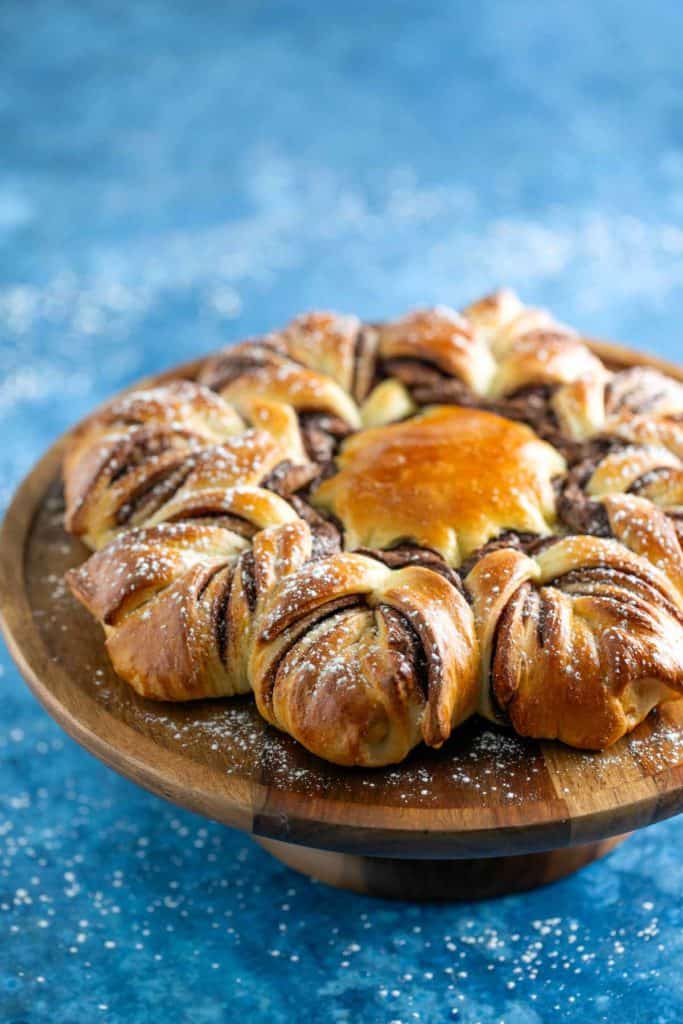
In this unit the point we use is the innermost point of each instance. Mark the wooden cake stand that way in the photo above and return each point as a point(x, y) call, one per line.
point(488, 814)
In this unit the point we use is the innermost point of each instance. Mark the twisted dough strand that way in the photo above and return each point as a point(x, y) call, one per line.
point(209, 617)
point(580, 642)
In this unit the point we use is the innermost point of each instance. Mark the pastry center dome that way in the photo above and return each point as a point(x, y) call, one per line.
point(450, 479)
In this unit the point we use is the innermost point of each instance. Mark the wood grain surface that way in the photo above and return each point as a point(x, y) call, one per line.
point(487, 793)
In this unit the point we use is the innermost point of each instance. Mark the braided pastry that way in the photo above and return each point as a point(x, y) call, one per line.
point(598, 486)
point(381, 529)
point(638, 404)
point(579, 642)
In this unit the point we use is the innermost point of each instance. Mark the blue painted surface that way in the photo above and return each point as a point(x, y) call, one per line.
point(174, 178)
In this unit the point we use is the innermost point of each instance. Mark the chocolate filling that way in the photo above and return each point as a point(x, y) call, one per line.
point(412, 554)
point(543, 616)
point(146, 443)
point(227, 367)
point(206, 514)
point(364, 363)
point(285, 480)
point(648, 478)
point(579, 512)
point(326, 533)
point(526, 542)
point(322, 435)
point(299, 629)
point(288, 477)
point(576, 579)
point(248, 571)
point(427, 385)
point(531, 405)
point(404, 639)
point(155, 491)
point(220, 615)
point(629, 391)
point(502, 627)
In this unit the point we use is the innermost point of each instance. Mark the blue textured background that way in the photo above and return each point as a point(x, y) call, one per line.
point(176, 175)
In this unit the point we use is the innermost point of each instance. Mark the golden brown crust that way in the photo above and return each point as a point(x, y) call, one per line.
point(190, 612)
point(325, 342)
point(360, 662)
point(135, 462)
point(449, 479)
point(642, 482)
point(124, 574)
point(140, 438)
point(582, 642)
point(267, 375)
point(529, 346)
point(214, 574)
point(444, 338)
point(639, 404)
point(348, 689)
point(549, 356)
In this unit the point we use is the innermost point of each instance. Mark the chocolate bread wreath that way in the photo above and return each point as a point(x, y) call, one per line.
point(382, 529)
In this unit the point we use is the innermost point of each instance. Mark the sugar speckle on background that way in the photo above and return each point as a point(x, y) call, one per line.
point(174, 179)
